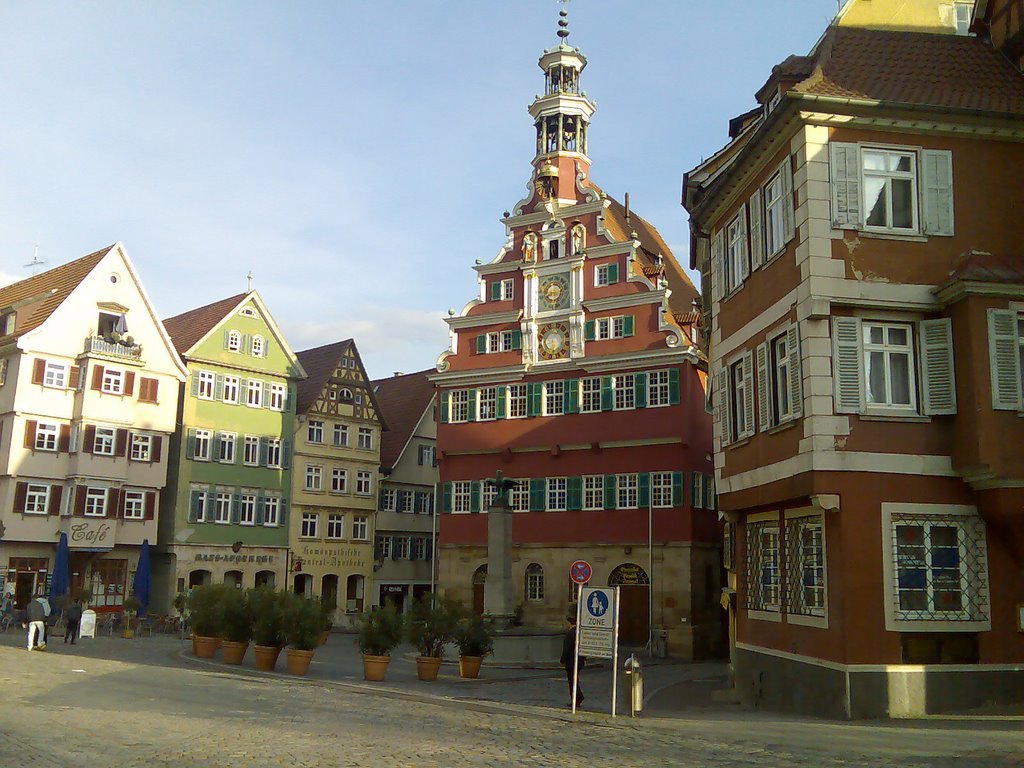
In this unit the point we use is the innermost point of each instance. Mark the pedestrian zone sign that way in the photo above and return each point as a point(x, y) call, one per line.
point(598, 622)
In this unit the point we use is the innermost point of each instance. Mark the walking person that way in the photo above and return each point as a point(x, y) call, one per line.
point(73, 615)
point(35, 620)
point(568, 651)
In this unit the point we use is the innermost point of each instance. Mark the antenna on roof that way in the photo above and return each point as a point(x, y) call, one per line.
point(36, 261)
point(248, 281)
point(627, 206)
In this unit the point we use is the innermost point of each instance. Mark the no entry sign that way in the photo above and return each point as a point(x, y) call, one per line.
point(580, 572)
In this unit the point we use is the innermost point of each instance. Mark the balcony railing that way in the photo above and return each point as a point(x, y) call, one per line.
point(100, 346)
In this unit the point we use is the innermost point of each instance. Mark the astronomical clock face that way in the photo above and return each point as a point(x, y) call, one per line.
point(554, 341)
point(554, 292)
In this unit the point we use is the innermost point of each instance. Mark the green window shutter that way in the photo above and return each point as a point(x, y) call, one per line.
point(481, 343)
point(236, 508)
point(286, 454)
point(195, 384)
point(711, 498)
point(284, 514)
point(444, 407)
point(610, 502)
point(643, 489)
point(627, 325)
point(673, 386)
point(607, 397)
point(227, 335)
point(500, 400)
point(190, 444)
point(246, 343)
point(446, 497)
point(517, 339)
point(574, 493)
point(260, 507)
point(496, 290)
point(613, 273)
point(695, 501)
point(193, 506)
point(534, 391)
point(589, 331)
point(640, 389)
point(537, 492)
point(471, 405)
point(677, 489)
point(264, 450)
point(474, 496)
point(572, 396)
point(215, 447)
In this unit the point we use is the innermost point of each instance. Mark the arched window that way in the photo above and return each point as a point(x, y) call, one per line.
point(346, 395)
point(233, 578)
point(265, 579)
point(534, 582)
point(198, 578)
point(258, 346)
point(354, 593)
point(234, 341)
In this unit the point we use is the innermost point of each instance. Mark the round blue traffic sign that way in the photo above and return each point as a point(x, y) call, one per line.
point(580, 572)
point(597, 604)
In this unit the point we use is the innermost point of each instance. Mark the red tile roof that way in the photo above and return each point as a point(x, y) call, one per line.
point(39, 295)
point(319, 363)
point(920, 68)
point(189, 327)
point(981, 267)
point(403, 399)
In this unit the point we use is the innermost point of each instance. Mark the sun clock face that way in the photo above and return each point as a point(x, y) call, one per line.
point(554, 341)
point(554, 292)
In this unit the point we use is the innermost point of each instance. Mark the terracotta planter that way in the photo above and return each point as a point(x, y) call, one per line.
point(266, 657)
point(127, 634)
point(375, 667)
point(427, 667)
point(234, 652)
point(298, 661)
point(323, 637)
point(205, 647)
point(469, 666)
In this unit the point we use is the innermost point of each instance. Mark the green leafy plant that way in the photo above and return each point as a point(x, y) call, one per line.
point(267, 608)
point(237, 616)
point(206, 606)
point(431, 623)
point(181, 602)
point(131, 607)
point(378, 631)
point(474, 635)
point(302, 623)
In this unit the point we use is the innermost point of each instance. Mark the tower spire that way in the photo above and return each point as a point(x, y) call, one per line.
point(563, 21)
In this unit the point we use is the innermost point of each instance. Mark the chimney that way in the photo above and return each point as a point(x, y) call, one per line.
point(627, 206)
point(399, 373)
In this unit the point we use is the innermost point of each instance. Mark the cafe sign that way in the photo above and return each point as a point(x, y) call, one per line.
point(91, 534)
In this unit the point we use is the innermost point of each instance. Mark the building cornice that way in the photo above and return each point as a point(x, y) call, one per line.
point(472, 321)
point(954, 291)
point(656, 296)
point(539, 217)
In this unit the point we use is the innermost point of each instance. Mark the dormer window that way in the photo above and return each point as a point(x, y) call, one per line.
point(7, 321)
point(963, 17)
point(234, 341)
point(247, 312)
point(259, 346)
point(773, 101)
point(110, 323)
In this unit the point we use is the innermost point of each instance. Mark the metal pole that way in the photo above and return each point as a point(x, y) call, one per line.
point(433, 540)
point(650, 573)
point(615, 653)
point(576, 649)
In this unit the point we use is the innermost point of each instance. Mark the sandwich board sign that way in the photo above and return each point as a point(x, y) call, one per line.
point(597, 632)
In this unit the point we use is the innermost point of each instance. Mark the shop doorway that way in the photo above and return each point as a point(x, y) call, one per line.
point(634, 606)
point(329, 592)
point(199, 578)
point(354, 593)
point(29, 577)
point(479, 577)
point(265, 579)
point(233, 578)
point(303, 585)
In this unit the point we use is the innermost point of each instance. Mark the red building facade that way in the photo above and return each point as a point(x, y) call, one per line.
point(576, 371)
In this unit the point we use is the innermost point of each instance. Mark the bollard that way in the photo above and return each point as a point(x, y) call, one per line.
point(635, 675)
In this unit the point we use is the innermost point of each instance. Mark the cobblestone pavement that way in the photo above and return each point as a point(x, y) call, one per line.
point(73, 707)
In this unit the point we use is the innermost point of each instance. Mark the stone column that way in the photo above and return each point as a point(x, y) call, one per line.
point(498, 593)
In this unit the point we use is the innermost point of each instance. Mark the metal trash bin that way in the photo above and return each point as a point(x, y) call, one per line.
point(635, 677)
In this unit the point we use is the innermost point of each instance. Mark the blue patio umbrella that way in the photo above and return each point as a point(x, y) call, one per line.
point(140, 584)
point(60, 579)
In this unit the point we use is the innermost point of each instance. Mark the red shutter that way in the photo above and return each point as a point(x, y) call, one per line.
point(129, 382)
point(56, 491)
point(97, 378)
point(79, 508)
point(154, 390)
point(64, 440)
point(150, 505)
point(38, 370)
point(75, 379)
point(155, 453)
point(114, 497)
point(30, 434)
point(121, 442)
point(20, 492)
point(90, 438)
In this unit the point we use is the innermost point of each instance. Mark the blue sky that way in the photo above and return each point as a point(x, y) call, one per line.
point(355, 156)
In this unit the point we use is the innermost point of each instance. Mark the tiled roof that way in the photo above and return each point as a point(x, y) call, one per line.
point(687, 318)
point(403, 399)
point(41, 294)
point(189, 327)
point(319, 363)
point(981, 267)
point(920, 68)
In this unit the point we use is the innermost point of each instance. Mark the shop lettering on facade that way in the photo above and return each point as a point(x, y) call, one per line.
point(219, 558)
point(88, 534)
point(334, 557)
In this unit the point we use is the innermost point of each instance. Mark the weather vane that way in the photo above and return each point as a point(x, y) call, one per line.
point(248, 279)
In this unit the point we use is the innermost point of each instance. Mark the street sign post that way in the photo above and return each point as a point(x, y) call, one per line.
point(597, 632)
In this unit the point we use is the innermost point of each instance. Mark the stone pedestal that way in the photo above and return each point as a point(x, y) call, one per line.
point(498, 594)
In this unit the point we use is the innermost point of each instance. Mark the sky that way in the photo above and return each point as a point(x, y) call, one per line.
point(356, 157)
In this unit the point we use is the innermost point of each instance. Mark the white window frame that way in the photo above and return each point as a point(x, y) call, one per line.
point(271, 511)
point(534, 586)
point(335, 526)
point(234, 341)
point(364, 439)
point(799, 564)
point(506, 341)
point(889, 177)
point(314, 477)
point(593, 492)
point(339, 480)
point(590, 394)
point(203, 438)
point(222, 508)
point(227, 448)
point(661, 490)
point(508, 287)
point(962, 17)
point(340, 435)
point(274, 449)
point(247, 509)
point(48, 436)
point(95, 502)
point(55, 374)
point(734, 254)
point(360, 528)
point(627, 491)
point(315, 432)
point(141, 447)
point(737, 382)
point(364, 483)
point(259, 346)
point(254, 393)
point(113, 381)
point(308, 525)
point(487, 404)
point(624, 392)
point(780, 379)
point(556, 494)
point(134, 505)
point(104, 441)
point(458, 408)
point(888, 350)
point(231, 384)
point(554, 398)
point(774, 216)
point(658, 388)
point(278, 396)
point(251, 455)
point(37, 499)
point(462, 495)
point(207, 384)
point(517, 401)
point(602, 275)
point(764, 601)
point(519, 498)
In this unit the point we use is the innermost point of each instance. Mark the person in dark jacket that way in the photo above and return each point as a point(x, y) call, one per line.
point(568, 650)
point(73, 616)
point(35, 620)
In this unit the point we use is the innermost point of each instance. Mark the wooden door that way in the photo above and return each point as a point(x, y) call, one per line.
point(633, 615)
point(478, 599)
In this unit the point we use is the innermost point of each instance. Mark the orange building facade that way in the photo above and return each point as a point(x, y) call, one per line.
point(864, 302)
point(576, 372)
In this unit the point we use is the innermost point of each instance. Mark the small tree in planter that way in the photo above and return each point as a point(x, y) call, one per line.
point(206, 607)
point(378, 631)
point(237, 617)
point(130, 608)
point(474, 635)
point(302, 628)
point(431, 624)
point(267, 607)
point(327, 609)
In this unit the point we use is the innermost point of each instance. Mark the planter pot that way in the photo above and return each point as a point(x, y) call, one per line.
point(234, 652)
point(375, 667)
point(298, 661)
point(127, 634)
point(205, 647)
point(323, 637)
point(266, 657)
point(220, 642)
point(469, 666)
point(427, 667)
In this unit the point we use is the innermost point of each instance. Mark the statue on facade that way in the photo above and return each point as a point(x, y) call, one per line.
point(529, 246)
point(579, 234)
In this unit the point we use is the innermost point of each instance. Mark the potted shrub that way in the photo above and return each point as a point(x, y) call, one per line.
point(430, 624)
point(267, 607)
point(302, 628)
point(237, 623)
point(131, 607)
point(378, 631)
point(205, 607)
point(474, 635)
point(327, 610)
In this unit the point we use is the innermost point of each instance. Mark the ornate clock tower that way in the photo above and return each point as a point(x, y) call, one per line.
point(576, 371)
